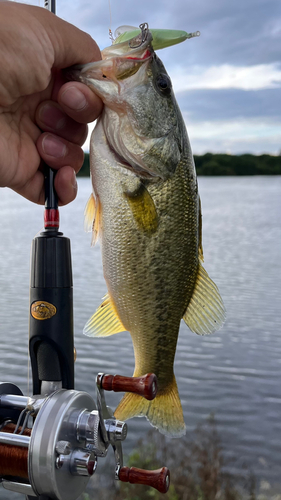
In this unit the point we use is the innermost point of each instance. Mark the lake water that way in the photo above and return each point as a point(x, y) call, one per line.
point(235, 373)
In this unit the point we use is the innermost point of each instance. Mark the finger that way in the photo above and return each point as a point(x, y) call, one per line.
point(79, 102)
point(51, 118)
point(70, 44)
point(58, 152)
point(66, 185)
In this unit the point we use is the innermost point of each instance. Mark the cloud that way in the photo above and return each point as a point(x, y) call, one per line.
point(227, 81)
point(221, 104)
point(235, 136)
point(261, 76)
point(238, 33)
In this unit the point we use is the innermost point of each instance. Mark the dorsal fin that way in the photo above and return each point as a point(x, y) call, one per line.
point(92, 218)
point(205, 312)
point(105, 321)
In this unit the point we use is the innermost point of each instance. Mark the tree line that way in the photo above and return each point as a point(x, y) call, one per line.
point(224, 164)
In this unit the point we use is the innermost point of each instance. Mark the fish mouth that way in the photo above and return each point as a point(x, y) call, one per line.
point(119, 61)
point(114, 69)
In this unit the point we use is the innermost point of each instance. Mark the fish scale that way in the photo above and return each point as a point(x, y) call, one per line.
point(152, 320)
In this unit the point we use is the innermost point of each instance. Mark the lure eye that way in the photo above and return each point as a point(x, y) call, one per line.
point(163, 84)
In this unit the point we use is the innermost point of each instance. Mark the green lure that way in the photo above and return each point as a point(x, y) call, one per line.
point(161, 38)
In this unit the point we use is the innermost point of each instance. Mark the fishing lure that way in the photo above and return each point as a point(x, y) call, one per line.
point(161, 38)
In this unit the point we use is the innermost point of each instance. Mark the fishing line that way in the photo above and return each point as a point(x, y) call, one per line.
point(28, 370)
point(25, 422)
point(13, 459)
point(19, 421)
point(110, 23)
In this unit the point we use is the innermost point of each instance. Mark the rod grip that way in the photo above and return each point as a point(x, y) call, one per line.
point(145, 386)
point(158, 479)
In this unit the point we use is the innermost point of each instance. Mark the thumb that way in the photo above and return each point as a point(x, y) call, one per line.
point(70, 44)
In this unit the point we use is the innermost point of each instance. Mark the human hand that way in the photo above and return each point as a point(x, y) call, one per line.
point(34, 46)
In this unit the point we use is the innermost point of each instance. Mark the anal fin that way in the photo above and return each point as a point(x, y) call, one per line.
point(105, 321)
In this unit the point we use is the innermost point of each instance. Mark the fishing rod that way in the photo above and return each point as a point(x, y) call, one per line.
point(50, 442)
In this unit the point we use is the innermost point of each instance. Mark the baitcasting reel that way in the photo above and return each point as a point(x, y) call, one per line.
point(58, 455)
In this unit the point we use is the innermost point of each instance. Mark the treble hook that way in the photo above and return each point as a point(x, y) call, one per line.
point(144, 33)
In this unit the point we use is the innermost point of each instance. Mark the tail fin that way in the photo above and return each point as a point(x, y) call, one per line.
point(164, 412)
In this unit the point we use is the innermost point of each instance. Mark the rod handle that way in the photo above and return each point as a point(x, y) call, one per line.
point(145, 386)
point(158, 479)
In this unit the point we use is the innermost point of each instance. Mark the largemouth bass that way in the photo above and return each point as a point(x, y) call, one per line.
point(146, 210)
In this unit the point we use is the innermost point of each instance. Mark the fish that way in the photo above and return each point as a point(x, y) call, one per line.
point(145, 209)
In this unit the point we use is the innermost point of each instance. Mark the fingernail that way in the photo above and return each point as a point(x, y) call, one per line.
point(74, 99)
point(52, 117)
point(52, 146)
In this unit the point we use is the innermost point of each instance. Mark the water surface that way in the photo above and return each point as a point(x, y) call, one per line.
point(235, 373)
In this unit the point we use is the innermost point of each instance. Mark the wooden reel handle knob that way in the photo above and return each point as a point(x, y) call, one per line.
point(145, 386)
point(158, 479)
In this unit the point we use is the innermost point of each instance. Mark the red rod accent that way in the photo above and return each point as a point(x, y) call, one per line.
point(51, 218)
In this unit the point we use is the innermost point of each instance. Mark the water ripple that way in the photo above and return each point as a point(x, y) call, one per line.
point(235, 373)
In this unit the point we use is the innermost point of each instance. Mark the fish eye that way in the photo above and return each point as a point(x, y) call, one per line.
point(163, 84)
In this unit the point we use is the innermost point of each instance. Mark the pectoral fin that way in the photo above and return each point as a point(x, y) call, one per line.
point(105, 321)
point(92, 218)
point(205, 312)
point(143, 208)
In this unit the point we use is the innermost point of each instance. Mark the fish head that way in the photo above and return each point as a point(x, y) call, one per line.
point(141, 119)
point(108, 77)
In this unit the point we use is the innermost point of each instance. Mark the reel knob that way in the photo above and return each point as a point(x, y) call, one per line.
point(145, 386)
point(158, 479)
point(82, 463)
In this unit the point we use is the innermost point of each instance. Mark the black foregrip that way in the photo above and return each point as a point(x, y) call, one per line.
point(51, 311)
point(51, 198)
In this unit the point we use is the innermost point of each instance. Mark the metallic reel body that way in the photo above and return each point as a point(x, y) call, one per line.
point(68, 435)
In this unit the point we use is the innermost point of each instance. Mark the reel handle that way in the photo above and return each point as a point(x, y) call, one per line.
point(145, 386)
point(158, 479)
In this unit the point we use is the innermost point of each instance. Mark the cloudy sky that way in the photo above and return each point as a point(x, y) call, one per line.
point(227, 81)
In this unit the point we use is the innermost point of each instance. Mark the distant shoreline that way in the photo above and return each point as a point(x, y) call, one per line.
point(211, 164)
